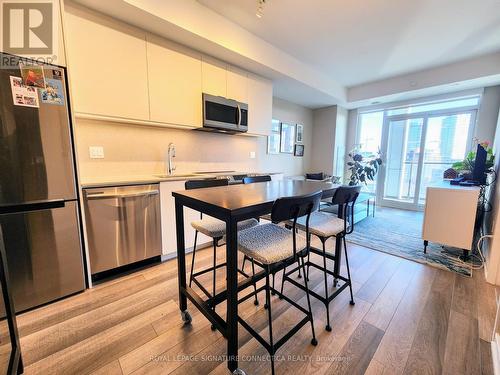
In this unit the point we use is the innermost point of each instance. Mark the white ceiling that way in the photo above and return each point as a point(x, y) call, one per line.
point(360, 41)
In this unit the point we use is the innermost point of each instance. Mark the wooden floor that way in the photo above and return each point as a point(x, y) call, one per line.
point(408, 319)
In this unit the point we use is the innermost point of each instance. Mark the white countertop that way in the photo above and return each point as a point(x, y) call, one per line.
point(154, 179)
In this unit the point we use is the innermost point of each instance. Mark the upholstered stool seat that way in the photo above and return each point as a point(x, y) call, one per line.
point(268, 243)
point(216, 228)
point(322, 224)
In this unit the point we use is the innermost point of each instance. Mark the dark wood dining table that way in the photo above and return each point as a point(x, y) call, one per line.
point(233, 204)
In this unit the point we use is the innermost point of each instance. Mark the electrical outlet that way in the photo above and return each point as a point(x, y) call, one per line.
point(252, 154)
point(96, 152)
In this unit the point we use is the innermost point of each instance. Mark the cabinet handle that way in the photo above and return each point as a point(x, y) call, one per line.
point(122, 196)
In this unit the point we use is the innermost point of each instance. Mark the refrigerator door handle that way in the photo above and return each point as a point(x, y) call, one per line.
point(32, 206)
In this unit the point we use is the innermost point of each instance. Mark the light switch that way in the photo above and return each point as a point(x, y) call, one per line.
point(252, 154)
point(96, 152)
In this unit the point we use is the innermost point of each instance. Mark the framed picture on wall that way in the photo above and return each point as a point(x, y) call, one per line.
point(299, 137)
point(273, 140)
point(299, 150)
point(287, 138)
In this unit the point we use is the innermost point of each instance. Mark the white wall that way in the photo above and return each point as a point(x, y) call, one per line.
point(488, 114)
point(140, 150)
point(492, 248)
point(323, 140)
point(340, 142)
point(294, 114)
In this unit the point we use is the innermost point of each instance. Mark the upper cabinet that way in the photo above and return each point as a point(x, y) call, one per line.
point(122, 74)
point(237, 84)
point(214, 77)
point(108, 66)
point(175, 83)
point(260, 105)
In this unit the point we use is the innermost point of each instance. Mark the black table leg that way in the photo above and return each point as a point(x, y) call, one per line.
point(232, 293)
point(181, 254)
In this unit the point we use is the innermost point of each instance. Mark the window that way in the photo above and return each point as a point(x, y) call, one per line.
point(369, 139)
point(273, 140)
point(435, 106)
point(420, 141)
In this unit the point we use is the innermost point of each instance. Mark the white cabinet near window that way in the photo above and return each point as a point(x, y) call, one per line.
point(107, 65)
point(260, 105)
point(174, 75)
point(214, 77)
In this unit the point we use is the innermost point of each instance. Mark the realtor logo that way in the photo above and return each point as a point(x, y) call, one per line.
point(28, 28)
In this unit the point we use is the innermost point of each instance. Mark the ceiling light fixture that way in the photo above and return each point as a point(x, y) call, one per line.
point(260, 8)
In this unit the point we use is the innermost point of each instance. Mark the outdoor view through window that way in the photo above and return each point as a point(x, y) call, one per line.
point(418, 144)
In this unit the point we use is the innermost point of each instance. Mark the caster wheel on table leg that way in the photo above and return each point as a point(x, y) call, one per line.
point(256, 302)
point(265, 306)
point(352, 303)
point(186, 317)
point(328, 328)
point(273, 292)
point(314, 342)
point(239, 371)
point(213, 328)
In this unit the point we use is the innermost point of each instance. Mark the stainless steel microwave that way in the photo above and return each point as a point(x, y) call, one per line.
point(224, 115)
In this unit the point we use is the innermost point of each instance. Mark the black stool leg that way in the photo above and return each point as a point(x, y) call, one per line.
point(348, 272)
point(243, 264)
point(313, 341)
point(282, 282)
point(272, 291)
point(270, 318)
point(192, 259)
point(308, 258)
point(214, 275)
point(256, 302)
point(327, 305)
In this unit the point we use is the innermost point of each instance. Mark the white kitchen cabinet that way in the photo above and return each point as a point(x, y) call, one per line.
point(260, 105)
point(214, 77)
point(174, 75)
point(107, 65)
point(168, 228)
point(237, 84)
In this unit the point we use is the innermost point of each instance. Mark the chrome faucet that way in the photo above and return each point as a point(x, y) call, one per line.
point(170, 159)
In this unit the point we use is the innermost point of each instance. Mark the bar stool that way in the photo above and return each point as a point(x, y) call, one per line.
point(272, 248)
point(324, 225)
point(252, 180)
point(215, 229)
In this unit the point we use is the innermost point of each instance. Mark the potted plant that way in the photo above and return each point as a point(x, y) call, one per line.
point(466, 166)
point(363, 168)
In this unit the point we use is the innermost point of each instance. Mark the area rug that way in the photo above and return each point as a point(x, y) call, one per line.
point(398, 232)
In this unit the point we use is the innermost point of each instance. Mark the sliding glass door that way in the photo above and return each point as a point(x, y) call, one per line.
point(402, 152)
point(417, 150)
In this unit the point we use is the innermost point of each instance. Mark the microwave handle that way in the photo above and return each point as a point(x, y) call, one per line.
point(238, 121)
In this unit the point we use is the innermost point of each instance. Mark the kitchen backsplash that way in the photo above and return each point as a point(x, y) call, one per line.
point(131, 150)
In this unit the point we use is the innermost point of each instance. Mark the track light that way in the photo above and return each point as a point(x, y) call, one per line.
point(260, 8)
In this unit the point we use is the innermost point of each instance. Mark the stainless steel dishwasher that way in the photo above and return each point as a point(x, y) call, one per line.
point(123, 225)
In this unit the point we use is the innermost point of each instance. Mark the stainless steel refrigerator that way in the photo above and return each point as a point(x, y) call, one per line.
point(39, 203)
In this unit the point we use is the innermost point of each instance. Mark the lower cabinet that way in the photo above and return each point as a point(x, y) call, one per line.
point(168, 227)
